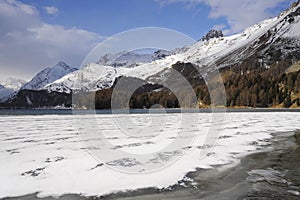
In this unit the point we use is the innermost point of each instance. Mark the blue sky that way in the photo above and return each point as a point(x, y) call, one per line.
point(40, 33)
point(109, 17)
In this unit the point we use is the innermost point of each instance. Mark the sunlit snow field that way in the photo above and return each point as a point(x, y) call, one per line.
point(46, 154)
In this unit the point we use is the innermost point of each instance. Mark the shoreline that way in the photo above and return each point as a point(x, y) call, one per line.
point(46, 111)
point(271, 172)
point(232, 181)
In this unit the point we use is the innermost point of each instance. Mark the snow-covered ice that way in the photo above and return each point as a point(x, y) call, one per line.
point(45, 154)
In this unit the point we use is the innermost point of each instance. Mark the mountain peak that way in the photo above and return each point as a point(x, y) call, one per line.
point(61, 63)
point(61, 66)
point(9, 87)
point(48, 75)
point(13, 83)
point(212, 34)
point(102, 74)
point(295, 4)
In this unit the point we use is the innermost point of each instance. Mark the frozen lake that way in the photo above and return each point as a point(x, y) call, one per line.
point(55, 154)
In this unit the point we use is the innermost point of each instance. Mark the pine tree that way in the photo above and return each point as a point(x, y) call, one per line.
point(287, 102)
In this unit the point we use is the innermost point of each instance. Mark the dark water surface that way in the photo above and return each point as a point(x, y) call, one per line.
point(133, 111)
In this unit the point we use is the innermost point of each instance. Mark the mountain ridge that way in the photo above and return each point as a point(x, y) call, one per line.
point(10, 87)
point(48, 75)
point(263, 50)
point(200, 53)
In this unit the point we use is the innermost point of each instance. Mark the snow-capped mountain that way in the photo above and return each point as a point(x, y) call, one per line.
point(268, 42)
point(13, 83)
point(10, 87)
point(5, 93)
point(94, 76)
point(132, 59)
point(125, 59)
point(221, 50)
point(47, 76)
point(161, 54)
point(271, 44)
point(90, 78)
point(212, 34)
point(101, 75)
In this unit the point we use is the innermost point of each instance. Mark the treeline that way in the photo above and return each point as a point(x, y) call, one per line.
point(243, 89)
point(103, 99)
point(38, 99)
point(262, 89)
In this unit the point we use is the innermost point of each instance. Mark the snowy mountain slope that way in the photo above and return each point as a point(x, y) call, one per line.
point(223, 51)
point(95, 76)
point(146, 70)
point(212, 34)
point(289, 27)
point(277, 41)
point(13, 83)
point(90, 78)
point(208, 51)
point(124, 59)
point(5, 93)
point(258, 41)
point(48, 75)
point(10, 87)
point(131, 59)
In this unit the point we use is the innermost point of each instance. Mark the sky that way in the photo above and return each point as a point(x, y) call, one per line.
point(35, 34)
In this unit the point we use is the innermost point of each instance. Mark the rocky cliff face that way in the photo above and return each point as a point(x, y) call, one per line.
point(212, 34)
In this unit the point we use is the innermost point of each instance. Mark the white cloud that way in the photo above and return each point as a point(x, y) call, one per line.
point(27, 44)
point(28, 9)
point(219, 26)
point(51, 10)
point(239, 14)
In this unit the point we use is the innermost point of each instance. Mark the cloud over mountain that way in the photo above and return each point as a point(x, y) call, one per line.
point(238, 14)
point(28, 43)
